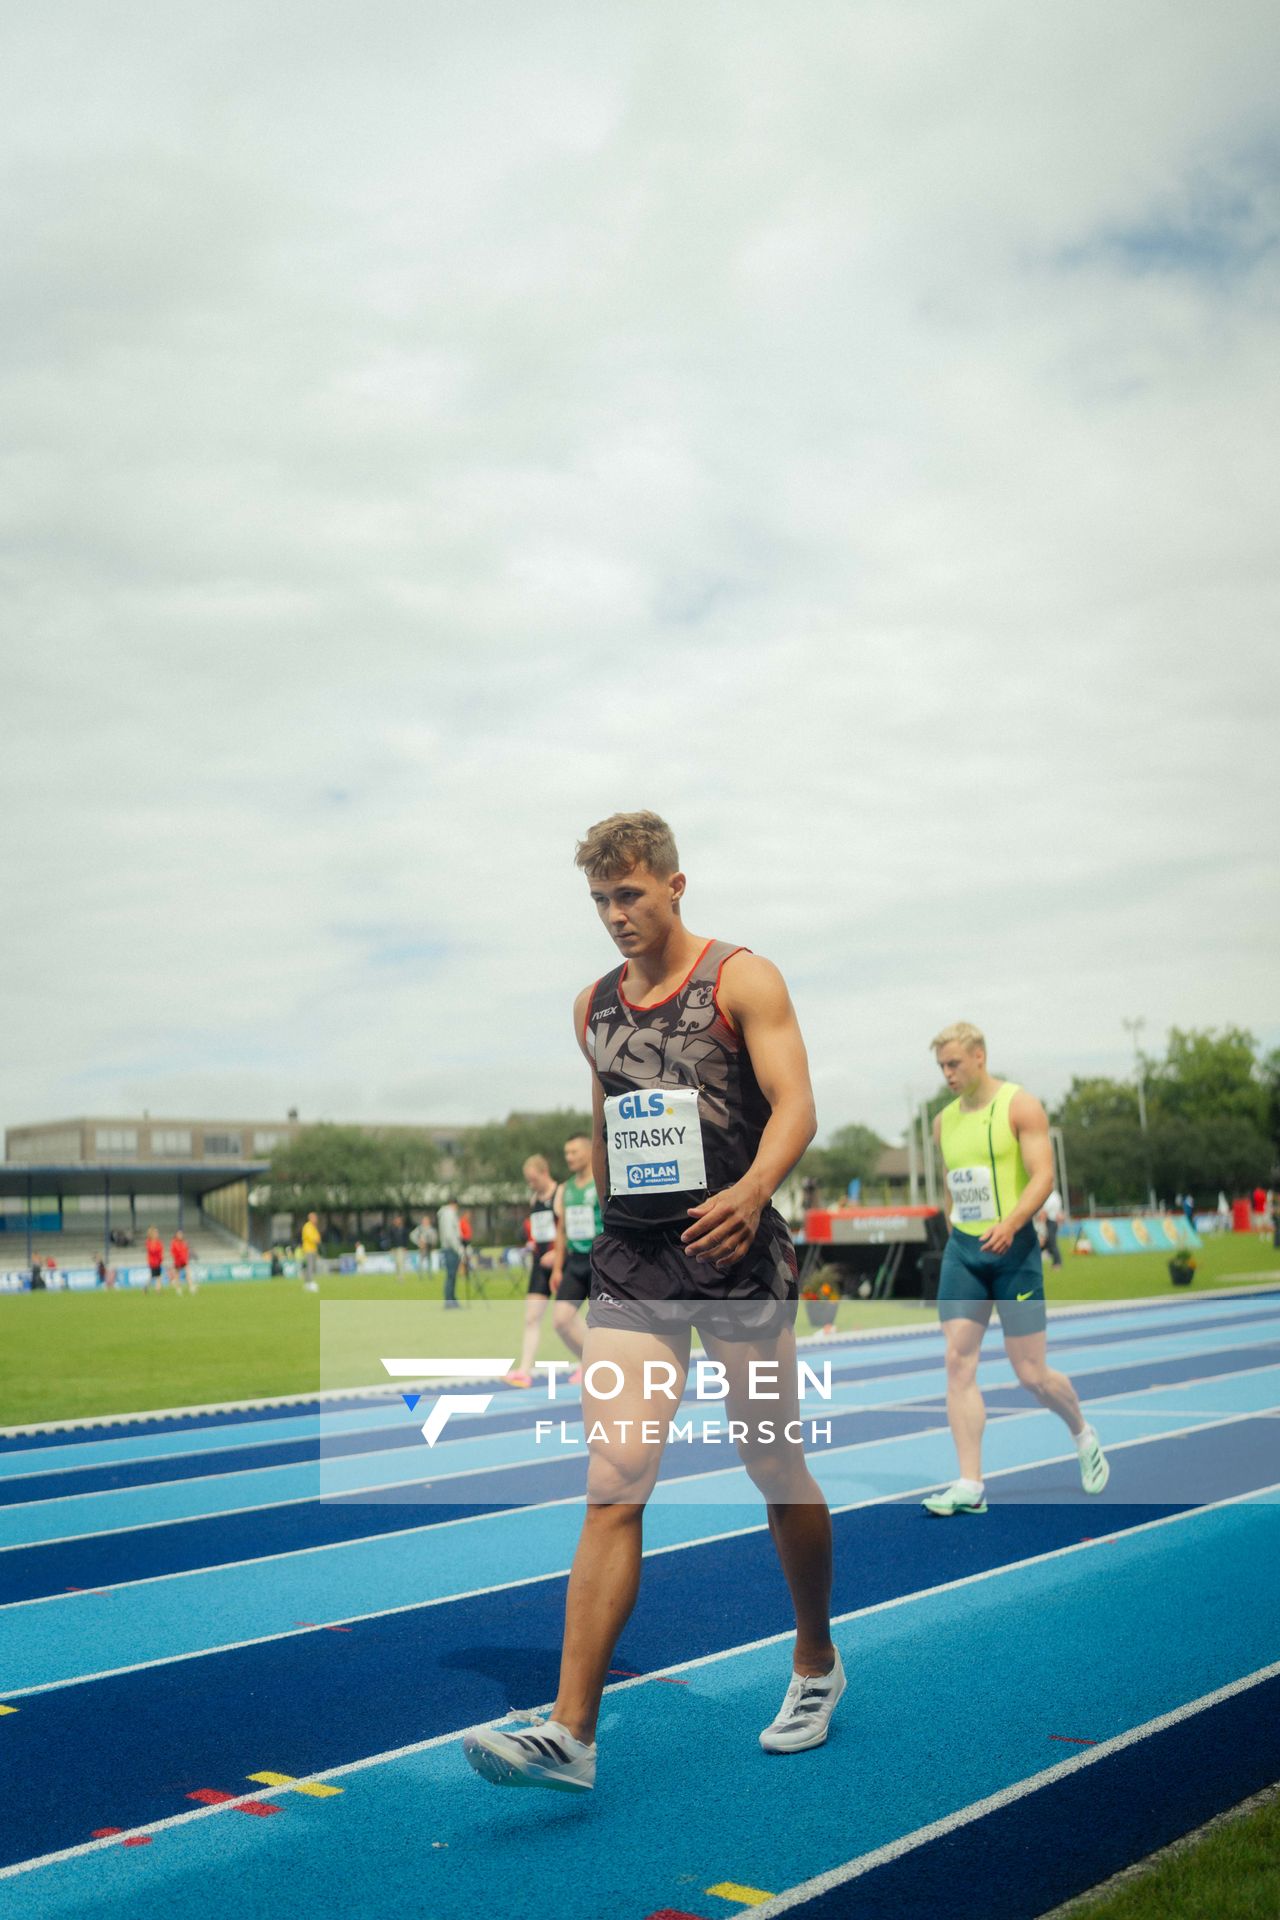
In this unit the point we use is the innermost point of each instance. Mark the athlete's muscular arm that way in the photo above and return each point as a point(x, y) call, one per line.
point(599, 1158)
point(753, 994)
point(1030, 1124)
point(562, 1244)
point(553, 1258)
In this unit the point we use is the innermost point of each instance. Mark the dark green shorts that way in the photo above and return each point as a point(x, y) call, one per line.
point(973, 1280)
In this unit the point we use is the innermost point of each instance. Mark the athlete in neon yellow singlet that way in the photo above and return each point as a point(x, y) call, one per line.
point(994, 1140)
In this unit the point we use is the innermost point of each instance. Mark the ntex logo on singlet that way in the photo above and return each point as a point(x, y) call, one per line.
point(423, 1368)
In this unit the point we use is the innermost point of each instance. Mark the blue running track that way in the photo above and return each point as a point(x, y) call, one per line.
point(237, 1650)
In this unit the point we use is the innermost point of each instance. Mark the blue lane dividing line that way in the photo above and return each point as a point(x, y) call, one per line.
point(210, 1489)
point(69, 1635)
point(148, 1551)
point(151, 1460)
point(160, 1435)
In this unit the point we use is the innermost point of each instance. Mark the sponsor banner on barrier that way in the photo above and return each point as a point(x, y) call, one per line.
point(1140, 1233)
point(82, 1279)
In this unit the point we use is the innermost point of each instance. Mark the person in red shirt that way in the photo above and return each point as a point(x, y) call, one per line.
point(180, 1254)
point(155, 1257)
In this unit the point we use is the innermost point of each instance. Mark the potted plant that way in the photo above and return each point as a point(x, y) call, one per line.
point(821, 1296)
point(1182, 1267)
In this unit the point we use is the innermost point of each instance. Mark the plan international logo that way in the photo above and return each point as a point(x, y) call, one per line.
point(420, 1368)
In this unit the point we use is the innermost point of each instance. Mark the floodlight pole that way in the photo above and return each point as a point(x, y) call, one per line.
point(1134, 1027)
point(913, 1157)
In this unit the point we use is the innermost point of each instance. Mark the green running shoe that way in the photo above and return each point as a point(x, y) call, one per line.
point(954, 1499)
point(1094, 1469)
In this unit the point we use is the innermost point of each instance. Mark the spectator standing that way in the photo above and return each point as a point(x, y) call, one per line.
point(180, 1255)
point(1189, 1210)
point(1053, 1212)
point(424, 1238)
point(155, 1258)
point(310, 1253)
point(452, 1248)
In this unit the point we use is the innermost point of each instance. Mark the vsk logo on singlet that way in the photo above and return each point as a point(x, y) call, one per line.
point(973, 1195)
point(655, 1141)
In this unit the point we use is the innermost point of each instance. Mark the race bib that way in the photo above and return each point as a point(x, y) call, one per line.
point(655, 1141)
point(972, 1195)
point(542, 1227)
point(580, 1223)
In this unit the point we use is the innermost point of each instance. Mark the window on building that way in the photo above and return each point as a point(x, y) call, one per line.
point(45, 1149)
point(221, 1145)
point(116, 1140)
point(264, 1140)
point(171, 1140)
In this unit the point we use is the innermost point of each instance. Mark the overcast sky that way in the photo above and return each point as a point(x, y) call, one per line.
point(849, 429)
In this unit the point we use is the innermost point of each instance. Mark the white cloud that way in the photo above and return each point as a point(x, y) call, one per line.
point(431, 430)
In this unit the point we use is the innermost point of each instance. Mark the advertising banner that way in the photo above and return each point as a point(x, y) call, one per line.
point(1141, 1233)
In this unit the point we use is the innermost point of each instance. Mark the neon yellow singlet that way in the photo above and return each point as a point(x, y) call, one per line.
point(985, 1173)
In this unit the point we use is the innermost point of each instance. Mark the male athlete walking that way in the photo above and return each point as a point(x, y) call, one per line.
point(994, 1139)
point(702, 1035)
point(544, 1271)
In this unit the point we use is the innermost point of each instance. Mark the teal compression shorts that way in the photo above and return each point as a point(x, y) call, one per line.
point(973, 1280)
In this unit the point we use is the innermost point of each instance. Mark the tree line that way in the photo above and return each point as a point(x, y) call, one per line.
point(1212, 1110)
point(1213, 1122)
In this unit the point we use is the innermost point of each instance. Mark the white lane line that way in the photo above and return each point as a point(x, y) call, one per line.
point(979, 1809)
point(412, 1440)
point(1077, 1309)
point(675, 1546)
point(842, 1376)
point(794, 1895)
point(359, 1495)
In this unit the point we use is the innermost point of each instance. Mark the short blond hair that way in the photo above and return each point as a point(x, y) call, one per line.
point(627, 840)
point(539, 1163)
point(961, 1033)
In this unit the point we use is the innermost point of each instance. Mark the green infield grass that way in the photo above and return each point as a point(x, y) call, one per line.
point(1232, 1872)
point(67, 1355)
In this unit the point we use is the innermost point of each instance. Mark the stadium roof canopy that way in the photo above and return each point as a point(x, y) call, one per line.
point(17, 1181)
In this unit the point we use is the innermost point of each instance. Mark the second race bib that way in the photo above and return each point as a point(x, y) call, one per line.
point(542, 1227)
point(580, 1223)
point(972, 1195)
point(655, 1141)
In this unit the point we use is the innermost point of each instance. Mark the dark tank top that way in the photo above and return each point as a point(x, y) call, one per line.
point(683, 1041)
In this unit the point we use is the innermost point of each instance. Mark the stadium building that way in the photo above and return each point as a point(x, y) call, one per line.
point(75, 1190)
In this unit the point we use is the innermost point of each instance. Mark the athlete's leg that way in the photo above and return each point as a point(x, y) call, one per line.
point(799, 1519)
point(966, 1412)
point(1053, 1390)
point(622, 1466)
point(534, 1307)
point(568, 1323)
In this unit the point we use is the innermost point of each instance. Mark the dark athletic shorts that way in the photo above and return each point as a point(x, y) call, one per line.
point(575, 1282)
point(540, 1276)
point(647, 1283)
point(972, 1280)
